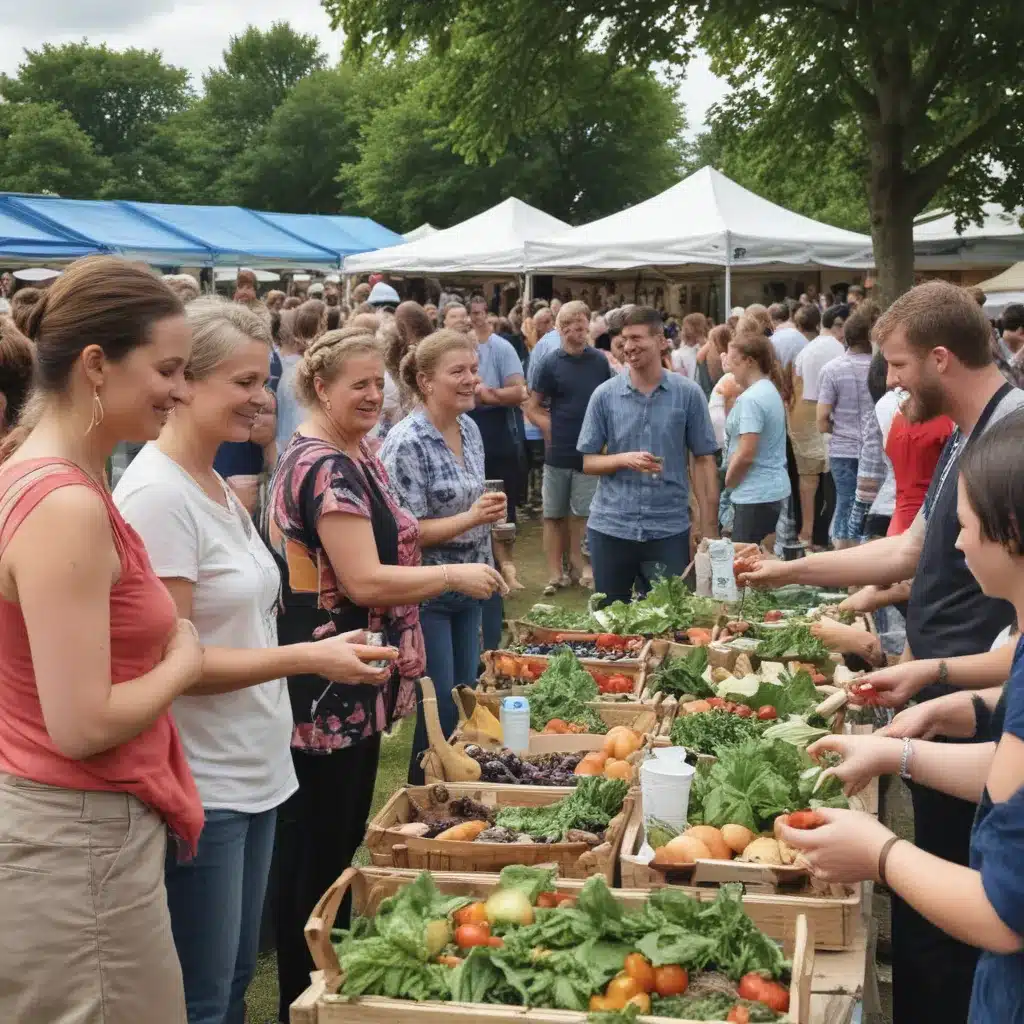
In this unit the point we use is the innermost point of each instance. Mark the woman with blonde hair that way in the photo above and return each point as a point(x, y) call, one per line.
point(93, 777)
point(352, 555)
point(235, 724)
point(307, 323)
point(435, 460)
point(399, 334)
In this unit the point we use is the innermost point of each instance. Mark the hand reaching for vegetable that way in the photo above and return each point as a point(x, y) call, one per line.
point(844, 849)
point(864, 758)
point(952, 715)
point(893, 687)
point(763, 572)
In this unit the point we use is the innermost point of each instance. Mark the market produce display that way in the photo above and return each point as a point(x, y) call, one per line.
point(790, 641)
point(581, 817)
point(683, 677)
point(525, 946)
point(531, 770)
point(562, 694)
point(710, 732)
point(604, 646)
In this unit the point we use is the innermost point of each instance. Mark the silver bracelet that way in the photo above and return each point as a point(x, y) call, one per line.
point(908, 752)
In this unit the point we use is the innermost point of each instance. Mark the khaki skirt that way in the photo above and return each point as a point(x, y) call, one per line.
point(85, 935)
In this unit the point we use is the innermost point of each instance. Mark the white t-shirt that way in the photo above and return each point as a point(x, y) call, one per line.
point(885, 410)
point(237, 744)
point(811, 361)
point(684, 360)
point(788, 343)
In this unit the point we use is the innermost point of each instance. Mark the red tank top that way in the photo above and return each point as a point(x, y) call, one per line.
point(151, 765)
point(913, 450)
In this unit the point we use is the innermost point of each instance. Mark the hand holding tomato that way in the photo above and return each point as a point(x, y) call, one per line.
point(844, 849)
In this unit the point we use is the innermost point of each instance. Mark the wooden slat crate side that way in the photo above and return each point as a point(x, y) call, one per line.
point(834, 918)
point(318, 1004)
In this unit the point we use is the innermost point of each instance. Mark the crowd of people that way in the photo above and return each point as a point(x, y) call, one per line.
point(188, 687)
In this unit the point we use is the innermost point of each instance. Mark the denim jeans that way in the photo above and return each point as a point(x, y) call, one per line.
point(493, 622)
point(844, 475)
point(618, 563)
point(216, 904)
point(451, 636)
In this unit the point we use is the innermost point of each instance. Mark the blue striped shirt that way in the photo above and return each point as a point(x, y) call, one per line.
point(670, 422)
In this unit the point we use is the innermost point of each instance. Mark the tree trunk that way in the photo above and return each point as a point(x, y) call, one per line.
point(892, 209)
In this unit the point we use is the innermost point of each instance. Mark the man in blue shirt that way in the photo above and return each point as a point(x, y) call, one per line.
point(640, 429)
point(564, 383)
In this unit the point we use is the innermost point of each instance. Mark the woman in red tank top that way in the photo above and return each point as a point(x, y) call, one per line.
point(92, 773)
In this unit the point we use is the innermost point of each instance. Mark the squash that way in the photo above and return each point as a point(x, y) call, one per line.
point(591, 764)
point(711, 837)
point(618, 769)
point(622, 741)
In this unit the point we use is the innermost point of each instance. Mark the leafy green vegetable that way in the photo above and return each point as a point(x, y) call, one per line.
point(552, 617)
point(753, 783)
point(563, 692)
point(591, 806)
point(794, 640)
point(708, 732)
point(669, 606)
point(791, 695)
point(530, 881)
point(679, 676)
point(795, 730)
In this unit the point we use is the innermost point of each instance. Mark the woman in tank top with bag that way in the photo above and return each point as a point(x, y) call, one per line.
point(236, 723)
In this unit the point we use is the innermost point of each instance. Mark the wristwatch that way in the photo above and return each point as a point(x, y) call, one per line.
point(908, 752)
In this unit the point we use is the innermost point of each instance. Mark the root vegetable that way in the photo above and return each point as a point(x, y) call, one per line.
point(762, 851)
point(737, 837)
point(464, 832)
point(614, 769)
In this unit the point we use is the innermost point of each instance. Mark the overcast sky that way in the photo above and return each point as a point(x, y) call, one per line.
point(193, 34)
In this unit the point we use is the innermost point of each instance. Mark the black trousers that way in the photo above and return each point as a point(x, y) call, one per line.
point(319, 829)
point(932, 973)
point(508, 468)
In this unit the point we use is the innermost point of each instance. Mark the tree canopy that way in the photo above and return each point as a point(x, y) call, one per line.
point(274, 127)
point(930, 93)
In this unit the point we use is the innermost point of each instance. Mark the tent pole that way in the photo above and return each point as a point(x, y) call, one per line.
point(527, 292)
point(728, 276)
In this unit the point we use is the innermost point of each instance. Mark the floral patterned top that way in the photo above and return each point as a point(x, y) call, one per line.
point(313, 479)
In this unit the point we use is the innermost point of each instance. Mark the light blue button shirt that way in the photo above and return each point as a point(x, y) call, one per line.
point(670, 422)
point(759, 410)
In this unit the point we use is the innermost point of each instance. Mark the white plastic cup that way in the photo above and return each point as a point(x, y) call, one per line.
point(665, 782)
point(515, 724)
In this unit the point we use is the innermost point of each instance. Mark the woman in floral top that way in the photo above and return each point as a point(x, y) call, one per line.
point(435, 459)
point(352, 561)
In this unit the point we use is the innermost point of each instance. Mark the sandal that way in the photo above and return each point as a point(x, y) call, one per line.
point(551, 588)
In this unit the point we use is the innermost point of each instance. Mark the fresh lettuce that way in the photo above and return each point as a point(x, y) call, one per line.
point(563, 692)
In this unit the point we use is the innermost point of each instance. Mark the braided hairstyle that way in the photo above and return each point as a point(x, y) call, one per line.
point(324, 359)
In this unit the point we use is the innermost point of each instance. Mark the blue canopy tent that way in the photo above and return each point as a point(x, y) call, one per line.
point(368, 233)
point(322, 231)
point(23, 239)
point(237, 236)
point(112, 227)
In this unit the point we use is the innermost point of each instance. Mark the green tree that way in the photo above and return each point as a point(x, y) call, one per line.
point(43, 150)
point(934, 89)
point(259, 69)
point(118, 98)
point(315, 130)
point(609, 140)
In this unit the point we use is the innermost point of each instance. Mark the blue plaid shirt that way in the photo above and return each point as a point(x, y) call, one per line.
point(430, 483)
point(669, 422)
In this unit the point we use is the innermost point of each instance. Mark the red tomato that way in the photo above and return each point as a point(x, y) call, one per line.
point(469, 935)
point(767, 713)
point(609, 642)
point(547, 899)
point(759, 989)
point(819, 679)
point(638, 967)
point(805, 820)
point(738, 1015)
point(475, 913)
point(620, 684)
point(730, 707)
point(743, 711)
point(716, 702)
point(670, 981)
point(495, 942)
point(773, 616)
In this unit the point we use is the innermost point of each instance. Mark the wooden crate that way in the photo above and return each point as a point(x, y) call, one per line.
point(320, 1004)
point(526, 632)
point(493, 680)
point(611, 712)
point(388, 848)
point(834, 917)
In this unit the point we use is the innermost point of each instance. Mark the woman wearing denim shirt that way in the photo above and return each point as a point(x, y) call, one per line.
point(435, 458)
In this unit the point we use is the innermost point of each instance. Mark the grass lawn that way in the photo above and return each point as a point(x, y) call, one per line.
point(529, 557)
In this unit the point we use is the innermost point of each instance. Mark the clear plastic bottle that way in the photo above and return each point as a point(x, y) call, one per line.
point(515, 724)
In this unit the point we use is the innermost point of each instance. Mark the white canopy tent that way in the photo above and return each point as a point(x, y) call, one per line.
point(494, 240)
point(1003, 290)
point(423, 231)
point(998, 239)
point(704, 220)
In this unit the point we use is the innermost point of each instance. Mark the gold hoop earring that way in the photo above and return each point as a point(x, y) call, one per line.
point(97, 412)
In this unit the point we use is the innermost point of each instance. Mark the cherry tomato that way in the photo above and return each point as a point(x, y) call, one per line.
point(805, 820)
point(609, 642)
point(743, 711)
point(547, 899)
point(475, 913)
point(716, 702)
point(767, 713)
point(738, 1015)
point(598, 1004)
point(670, 981)
point(642, 1001)
point(469, 935)
point(730, 707)
point(760, 989)
point(773, 616)
point(621, 989)
point(638, 967)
